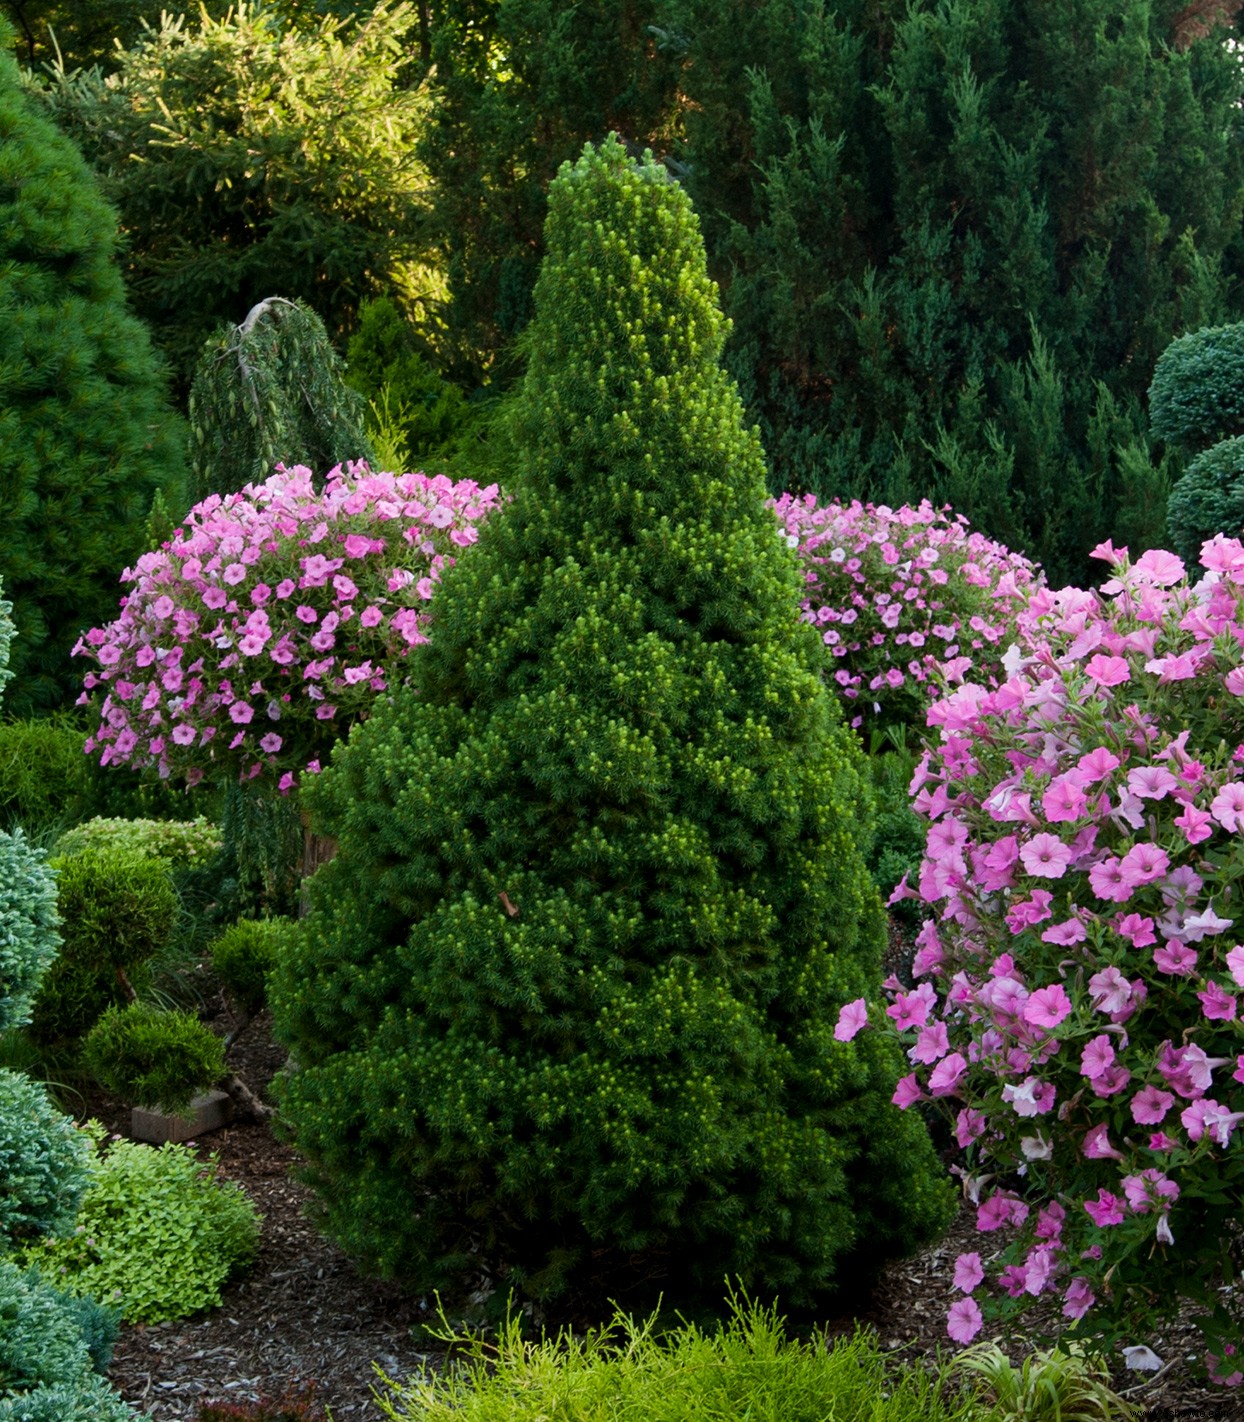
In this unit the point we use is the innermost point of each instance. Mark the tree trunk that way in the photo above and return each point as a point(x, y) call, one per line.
point(317, 849)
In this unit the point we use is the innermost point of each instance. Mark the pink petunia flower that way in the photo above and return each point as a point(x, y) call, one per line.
point(968, 1272)
point(1045, 856)
point(1078, 1298)
point(1142, 864)
point(852, 1019)
point(1047, 1007)
point(1150, 1106)
point(1096, 1145)
point(1096, 1056)
point(1106, 1210)
point(1217, 1005)
point(1106, 670)
point(1097, 764)
point(964, 1320)
point(1227, 806)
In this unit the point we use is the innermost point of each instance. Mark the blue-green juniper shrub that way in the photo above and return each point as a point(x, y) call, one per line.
point(562, 1011)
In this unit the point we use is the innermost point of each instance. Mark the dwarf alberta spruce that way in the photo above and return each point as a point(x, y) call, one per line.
point(1077, 1010)
point(253, 639)
point(899, 594)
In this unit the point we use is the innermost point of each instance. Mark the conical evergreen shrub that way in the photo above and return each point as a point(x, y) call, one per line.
point(563, 1008)
point(87, 435)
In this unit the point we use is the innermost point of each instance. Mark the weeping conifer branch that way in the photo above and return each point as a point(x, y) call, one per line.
point(269, 391)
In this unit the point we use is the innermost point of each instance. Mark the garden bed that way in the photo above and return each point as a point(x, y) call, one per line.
point(304, 1315)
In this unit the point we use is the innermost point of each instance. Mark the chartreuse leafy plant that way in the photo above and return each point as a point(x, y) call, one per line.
point(179, 844)
point(1078, 1009)
point(748, 1368)
point(563, 1008)
point(156, 1230)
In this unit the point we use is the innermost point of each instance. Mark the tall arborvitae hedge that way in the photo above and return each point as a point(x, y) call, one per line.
point(563, 1010)
point(87, 436)
point(955, 238)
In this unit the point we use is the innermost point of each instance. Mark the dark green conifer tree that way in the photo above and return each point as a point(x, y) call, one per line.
point(563, 1009)
point(518, 88)
point(955, 237)
point(87, 436)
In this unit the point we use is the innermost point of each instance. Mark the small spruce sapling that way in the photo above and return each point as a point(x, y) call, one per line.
point(563, 1008)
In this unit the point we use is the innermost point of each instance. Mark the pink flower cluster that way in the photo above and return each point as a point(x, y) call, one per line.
point(897, 594)
point(1078, 1013)
point(249, 643)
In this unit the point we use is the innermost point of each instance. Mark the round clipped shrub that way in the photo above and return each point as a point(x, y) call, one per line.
point(43, 1163)
point(1197, 394)
point(181, 844)
point(29, 926)
point(1079, 1011)
point(156, 1230)
point(902, 598)
point(117, 911)
point(245, 954)
point(1208, 499)
point(47, 1371)
point(153, 1058)
point(564, 1004)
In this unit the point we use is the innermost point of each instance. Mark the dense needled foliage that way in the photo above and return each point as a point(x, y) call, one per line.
point(955, 237)
point(86, 434)
point(563, 1009)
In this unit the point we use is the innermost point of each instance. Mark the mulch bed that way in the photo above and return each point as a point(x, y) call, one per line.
point(304, 1315)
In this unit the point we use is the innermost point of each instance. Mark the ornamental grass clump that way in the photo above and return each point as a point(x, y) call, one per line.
point(1078, 1007)
point(904, 600)
point(563, 1008)
point(249, 643)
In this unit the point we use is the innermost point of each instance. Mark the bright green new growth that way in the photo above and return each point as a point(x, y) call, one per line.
point(564, 1008)
point(153, 1058)
point(749, 1369)
point(177, 843)
point(155, 1227)
point(86, 433)
point(270, 391)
